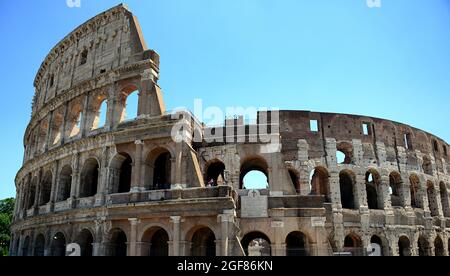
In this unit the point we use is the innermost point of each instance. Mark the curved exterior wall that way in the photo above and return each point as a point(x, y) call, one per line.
point(125, 186)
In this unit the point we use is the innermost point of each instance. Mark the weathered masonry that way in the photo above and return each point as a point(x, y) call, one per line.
point(118, 184)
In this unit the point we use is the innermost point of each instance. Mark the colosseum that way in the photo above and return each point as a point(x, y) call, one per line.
point(115, 185)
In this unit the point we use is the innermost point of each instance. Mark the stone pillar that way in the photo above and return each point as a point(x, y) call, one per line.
point(132, 244)
point(113, 108)
point(64, 124)
point(38, 192)
point(84, 118)
point(225, 219)
point(137, 183)
point(178, 162)
point(176, 221)
point(49, 132)
point(55, 180)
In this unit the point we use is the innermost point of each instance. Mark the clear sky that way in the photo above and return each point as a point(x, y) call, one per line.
point(321, 55)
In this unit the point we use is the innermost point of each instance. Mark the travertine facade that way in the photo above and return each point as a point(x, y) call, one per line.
point(125, 187)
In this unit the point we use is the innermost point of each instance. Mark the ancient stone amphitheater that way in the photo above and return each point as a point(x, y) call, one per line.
point(118, 185)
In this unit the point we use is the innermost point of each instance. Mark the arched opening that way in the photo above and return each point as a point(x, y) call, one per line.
point(203, 243)
point(26, 247)
point(215, 173)
point(89, 178)
point(432, 199)
point(444, 199)
point(56, 132)
point(372, 184)
point(32, 194)
point(86, 240)
point(404, 246)
point(254, 174)
point(427, 165)
point(347, 181)
point(100, 115)
point(39, 246)
point(320, 183)
point(353, 245)
point(438, 247)
point(395, 184)
point(256, 244)
point(377, 246)
point(130, 101)
point(75, 123)
point(423, 247)
point(344, 153)
point(295, 179)
point(155, 242)
point(121, 170)
point(162, 171)
point(59, 245)
point(46, 188)
point(118, 243)
point(414, 190)
point(296, 244)
point(65, 184)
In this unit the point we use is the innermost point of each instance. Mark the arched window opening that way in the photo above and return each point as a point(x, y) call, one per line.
point(346, 181)
point(377, 246)
point(320, 182)
point(353, 245)
point(372, 181)
point(86, 241)
point(427, 166)
point(444, 199)
point(215, 173)
point(130, 104)
point(89, 178)
point(404, 246)
point(118, 244)
point(203, 243)
point(162, 172)
point(432, 199)
point(46, 189)
point(256, 244)
point(39, 246)
point(296, 244)
point(100, 116)
point(344, 153)
point(436, 146)
point(57, 129)
point(83, 57)
point(395, 183)
point(414, 190)
point(438, 247)
point(32, 194)
point(155, 243)
point(26, 247)
point(254, 174)
point(59, 245)
point(423, 247)
point(65, 184)
point(75, 124)
point(295, 179)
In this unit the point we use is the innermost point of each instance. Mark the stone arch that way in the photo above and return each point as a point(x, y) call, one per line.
point(85, 240)
point(253, 164)
point(432, 199)
point(416, 201)
point(39, 246)
point(159, 169)
point(99, 108)
point(121, 171)
point(74, 118)
point(347, 183)
point(294, 176)
point(32, 193)
point(65, 184)
point(46, 188)
point(57, 127)
point(445, 199)
point(25, 250)
point(381, 242)
point(395, 185)
point(256, 244)
point(117, 243)
point(125, 93)
point(346, 149)
point(155, 242)
point(423, 246)
point(353, 245)
point(297, 244)
point(320, 182)
point(439, 247)
point(58, 245)
point(203, 241)
point(427, 166)
point(404, 246)
point(373, 191)
point(90, 178)
point(215, 172)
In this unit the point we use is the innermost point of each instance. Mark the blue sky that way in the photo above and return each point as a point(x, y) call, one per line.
point(322, 55)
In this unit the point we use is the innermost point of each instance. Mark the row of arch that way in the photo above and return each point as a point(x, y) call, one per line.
point(71, 121)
